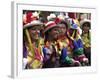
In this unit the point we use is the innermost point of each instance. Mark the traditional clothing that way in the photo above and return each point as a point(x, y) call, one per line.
point(78, 50)
point(86, 38)
point(33, 47)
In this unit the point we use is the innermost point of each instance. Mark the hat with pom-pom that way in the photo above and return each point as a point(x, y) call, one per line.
point(32, 19)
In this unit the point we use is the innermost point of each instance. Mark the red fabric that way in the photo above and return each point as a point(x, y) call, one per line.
point(29, 17)
point(57, 20)
point(72, 15)
point(50, 25)
point(37, 55)
point(81, 58)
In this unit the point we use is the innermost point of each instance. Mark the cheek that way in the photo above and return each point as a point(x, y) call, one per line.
point(85, 29)
point(63, 30)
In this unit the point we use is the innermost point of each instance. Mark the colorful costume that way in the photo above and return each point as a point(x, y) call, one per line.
point(86, 37)
point(78, 52)
point(51, 59)
point(33, 47)
point(65, 54)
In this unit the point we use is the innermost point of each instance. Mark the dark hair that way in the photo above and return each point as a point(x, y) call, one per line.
point(46, 37)
point(46, 34)
point(88, 23)
point(65, 23)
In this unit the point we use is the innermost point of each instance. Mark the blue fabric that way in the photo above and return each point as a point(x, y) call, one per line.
point(46, 54)
point(63, 54)
point(74, 26)
point(24, 52)
point(78, 44)
point(44, 51)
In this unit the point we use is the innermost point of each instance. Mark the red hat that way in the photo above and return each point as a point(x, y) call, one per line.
point(32, 19)
point(49, 25)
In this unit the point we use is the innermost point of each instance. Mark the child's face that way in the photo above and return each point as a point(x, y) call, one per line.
point(54, 32)
point(62, 29)
point(86, 28)
point(34, 32)
point(82, 16)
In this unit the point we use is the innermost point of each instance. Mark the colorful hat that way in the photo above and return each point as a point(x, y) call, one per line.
point(49, 25)
point(34, 20)
point(85, 21)
point(33, 23)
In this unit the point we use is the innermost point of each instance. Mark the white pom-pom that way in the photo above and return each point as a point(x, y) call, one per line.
point(51, 16)
point(36, 14)
point(62, 17)
point(48, 17)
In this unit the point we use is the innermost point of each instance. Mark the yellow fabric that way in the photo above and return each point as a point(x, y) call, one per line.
point(30, 42)
point(35, 63)
point(63, 44)
point(86, 41)
point(77, 22)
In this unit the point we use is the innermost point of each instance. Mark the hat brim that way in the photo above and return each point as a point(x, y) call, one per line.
point(32, 24)
point(48, 28)
point(81, 24)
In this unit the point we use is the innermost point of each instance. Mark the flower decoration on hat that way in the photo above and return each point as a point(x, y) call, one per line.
point(35, 15)
point(31, 19)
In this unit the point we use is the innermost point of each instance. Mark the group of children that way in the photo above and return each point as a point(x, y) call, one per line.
point(58, 42)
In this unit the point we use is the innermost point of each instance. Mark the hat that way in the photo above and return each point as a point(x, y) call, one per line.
point(63, 22)
point(33, 21)
point(85, 21)
point(49, 25)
